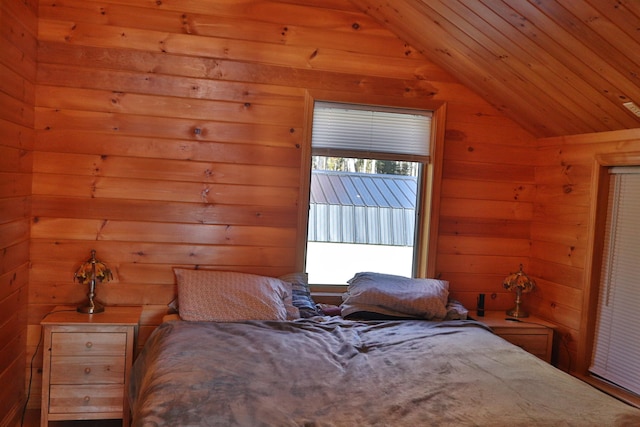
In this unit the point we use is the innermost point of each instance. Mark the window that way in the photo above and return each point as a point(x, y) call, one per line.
point(367, 180)
point(616, 350)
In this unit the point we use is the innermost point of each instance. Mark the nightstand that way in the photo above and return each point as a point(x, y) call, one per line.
point(531, 333)
point(87, 359)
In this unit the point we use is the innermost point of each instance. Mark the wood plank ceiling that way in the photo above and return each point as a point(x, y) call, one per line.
point(557, 67)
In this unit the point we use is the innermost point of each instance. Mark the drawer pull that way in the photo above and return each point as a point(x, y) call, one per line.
point(87, 398)
point(89, 344)
point(87, 370)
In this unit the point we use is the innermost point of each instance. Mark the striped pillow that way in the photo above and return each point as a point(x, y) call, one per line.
point(301, 294)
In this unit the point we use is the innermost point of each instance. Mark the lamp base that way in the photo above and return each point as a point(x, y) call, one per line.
point(92, 307)
point(517, 312)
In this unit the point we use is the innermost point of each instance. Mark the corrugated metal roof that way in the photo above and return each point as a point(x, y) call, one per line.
point(362, 208)
point(362, 189)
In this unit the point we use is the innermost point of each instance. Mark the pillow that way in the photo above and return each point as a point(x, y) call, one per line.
point(226, 296)
point(395, 296)
point(456, 311)
point(173, 306)
point(301, 294)
point(329, 309)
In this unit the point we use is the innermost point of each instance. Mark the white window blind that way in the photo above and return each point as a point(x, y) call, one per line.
point(616, 355)
point(370, 129)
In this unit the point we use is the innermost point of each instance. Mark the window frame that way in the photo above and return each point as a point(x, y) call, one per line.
point(597, 225)
point(429, 187)
point(615, 302)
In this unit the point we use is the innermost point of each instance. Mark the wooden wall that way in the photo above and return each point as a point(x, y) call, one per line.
point(177, 140)
point(18, 23)
point(561, 229)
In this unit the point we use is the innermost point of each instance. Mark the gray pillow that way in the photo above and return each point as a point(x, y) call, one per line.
point(391, 295)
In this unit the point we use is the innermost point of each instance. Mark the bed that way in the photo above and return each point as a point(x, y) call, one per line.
point(390, 368)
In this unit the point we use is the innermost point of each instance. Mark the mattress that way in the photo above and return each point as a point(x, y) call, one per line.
point(334, 372)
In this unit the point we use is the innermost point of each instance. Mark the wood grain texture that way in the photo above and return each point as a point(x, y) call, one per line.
point(555, 67)
point(562, 229)
point(18, 50)
point(179, 140)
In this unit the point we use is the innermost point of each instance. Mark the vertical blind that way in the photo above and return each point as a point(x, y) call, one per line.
point(616, 355)
point(371, 129)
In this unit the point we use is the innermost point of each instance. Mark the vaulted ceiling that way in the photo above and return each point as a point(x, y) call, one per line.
point(557, 67)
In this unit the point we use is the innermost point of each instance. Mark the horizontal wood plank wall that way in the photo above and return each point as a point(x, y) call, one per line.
point(175, 140)
point(560, 240)
point(18, 38)
point(486, 206)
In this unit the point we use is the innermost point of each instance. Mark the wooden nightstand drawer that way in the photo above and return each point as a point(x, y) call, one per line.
point(534, 344)
point(530, 333)
point(87, 370)
point(77, 343)
point(86, 364)
point(69, 399)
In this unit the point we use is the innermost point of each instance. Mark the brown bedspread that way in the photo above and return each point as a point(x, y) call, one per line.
point(344, 373)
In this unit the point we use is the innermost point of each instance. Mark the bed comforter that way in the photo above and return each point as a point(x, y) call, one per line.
point(347, 373)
